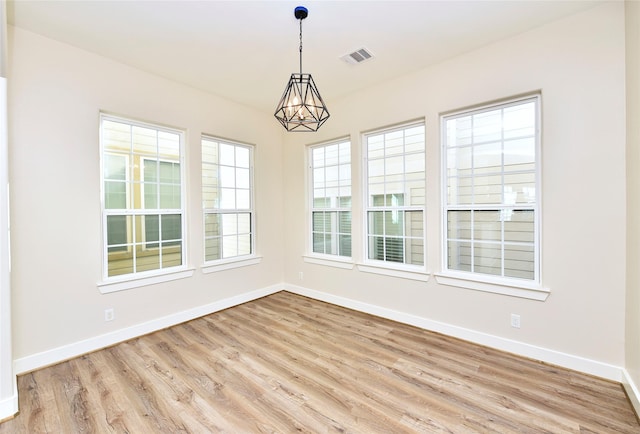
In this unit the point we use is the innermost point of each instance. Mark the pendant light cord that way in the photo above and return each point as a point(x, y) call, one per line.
point(300, 49)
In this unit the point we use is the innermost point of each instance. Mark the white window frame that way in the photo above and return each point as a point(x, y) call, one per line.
point(140, 278)
point(513, 286)
point(389, 268)
point(330, 259)
point(230, 262)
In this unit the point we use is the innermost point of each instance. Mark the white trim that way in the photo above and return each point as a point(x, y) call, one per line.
point(9, 406)
point(515, 289)
point(338, 262)
point(75, 349)
point(632, 391)
point(577, 363)
point(421, 275)
point(136, 281)
point(230, 264)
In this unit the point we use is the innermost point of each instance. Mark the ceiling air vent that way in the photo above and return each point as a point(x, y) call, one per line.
point(357, 56)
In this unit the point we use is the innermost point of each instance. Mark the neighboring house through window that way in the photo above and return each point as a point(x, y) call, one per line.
point(227, 193)
point(490, 204)
point(143, 209)
point(395, 195)
point(330, 166)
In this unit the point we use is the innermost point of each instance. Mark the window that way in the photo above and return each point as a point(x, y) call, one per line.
point(395, 195)
point(227, 194)
point(331, 198)
point(143, 209)
point(491, 200)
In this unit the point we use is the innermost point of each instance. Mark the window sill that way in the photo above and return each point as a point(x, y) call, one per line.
point(420, 275)
point(514, 289)
point(338, 262)
point(229, 264)
point(133, 281)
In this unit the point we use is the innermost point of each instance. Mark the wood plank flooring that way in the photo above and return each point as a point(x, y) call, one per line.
point(285, 363)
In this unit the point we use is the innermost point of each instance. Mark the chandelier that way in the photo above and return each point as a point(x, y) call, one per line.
point(301, 107)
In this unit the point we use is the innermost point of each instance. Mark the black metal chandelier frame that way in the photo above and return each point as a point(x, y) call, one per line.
point(301, 107)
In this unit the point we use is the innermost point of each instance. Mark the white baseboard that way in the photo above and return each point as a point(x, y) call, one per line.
point(9, 406)
point(632, 391)
point(66, 352)
point(569, 361)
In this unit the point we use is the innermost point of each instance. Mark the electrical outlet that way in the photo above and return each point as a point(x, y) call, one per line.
point(301, 275)
point(515, 321)
point(109, 314)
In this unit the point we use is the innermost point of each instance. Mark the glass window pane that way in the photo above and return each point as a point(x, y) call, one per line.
point(375, 147)
point(394, 168)
point(376, 222)
point(487, 158)
point(145, 141)
point(487, 258)
point(520, 154)
point(117, 230)
point(227, 198)
point(229, 224)
point(459, 161)
point(116, 136)
point(170, 196)
point(460, 191)
point(115, 195)
point(229, 246)
point(416, 191)
point(212, 249)
point(519, 261)
point(519, 120)
point(394, 222)
point(242, 178)
point(227, 154)
point(487, 126)
point(487, 225)
point(487, 189)
point(171, 227)
point(151, 224)
point(520, 188)
point(227, 177)
point(244, 244)
point(168, 145)
point(150, 195)
point(459, 225)
point(375, 170)
point(459, 255)
point(344, 242)
point(171, 254)
point(519, 226)
point(209, 151)
point(331, 155)
point(344, 225)
point(345, 153)
point(243, 157)
point(115, 167)
point(375, 248)
point(212, 225)
point(459, 131)
point(244, 199)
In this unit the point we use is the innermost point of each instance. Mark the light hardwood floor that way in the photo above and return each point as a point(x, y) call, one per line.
point(285, 363)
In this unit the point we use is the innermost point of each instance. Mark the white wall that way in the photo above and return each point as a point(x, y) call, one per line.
point(8, 390)
point(56, 92)
point(55, 95)
point(578, 64)
point(632, 337)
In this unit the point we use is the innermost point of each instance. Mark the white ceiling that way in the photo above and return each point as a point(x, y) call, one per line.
point(246, 50)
